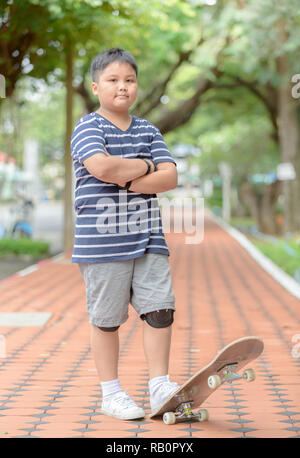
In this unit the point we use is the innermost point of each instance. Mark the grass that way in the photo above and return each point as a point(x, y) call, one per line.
point(279, 255)
point(242, 222)
point(284, 253)
point(22, 246)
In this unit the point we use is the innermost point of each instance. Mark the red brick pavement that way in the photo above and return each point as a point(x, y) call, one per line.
point(48, 382)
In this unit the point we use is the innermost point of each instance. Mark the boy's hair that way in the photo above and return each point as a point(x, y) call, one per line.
point(105, 58)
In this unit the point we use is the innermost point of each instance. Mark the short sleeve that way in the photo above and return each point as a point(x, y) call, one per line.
point(159, 149)
point(87, 140)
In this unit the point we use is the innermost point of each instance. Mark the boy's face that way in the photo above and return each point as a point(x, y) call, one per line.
point(117, 87)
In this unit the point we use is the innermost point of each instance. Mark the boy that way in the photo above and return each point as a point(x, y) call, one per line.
point(121, 162)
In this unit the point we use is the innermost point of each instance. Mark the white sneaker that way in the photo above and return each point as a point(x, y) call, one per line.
point(163, 392)
point(121, 406)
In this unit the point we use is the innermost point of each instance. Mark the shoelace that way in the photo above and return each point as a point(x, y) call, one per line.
point(124, 400)
point(167, 387)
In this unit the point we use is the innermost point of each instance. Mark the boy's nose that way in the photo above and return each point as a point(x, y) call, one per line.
point(122, 86)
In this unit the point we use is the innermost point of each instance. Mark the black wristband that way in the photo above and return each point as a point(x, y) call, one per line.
point(148, 165)
point(155, 167)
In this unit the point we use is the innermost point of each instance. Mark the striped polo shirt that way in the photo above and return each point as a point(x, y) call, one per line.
point(114, 224)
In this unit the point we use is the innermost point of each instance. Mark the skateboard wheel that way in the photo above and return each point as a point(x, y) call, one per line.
point(203, 414)
point(214, 381)
point(249, 375)
point(169, 418)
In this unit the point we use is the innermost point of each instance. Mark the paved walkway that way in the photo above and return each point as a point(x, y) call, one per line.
point(48, 383)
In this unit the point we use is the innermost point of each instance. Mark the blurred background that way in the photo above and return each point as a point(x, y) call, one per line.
point(219, 78)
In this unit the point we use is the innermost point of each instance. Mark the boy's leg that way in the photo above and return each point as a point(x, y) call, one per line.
point(115, 401)
point(157, 342)
point(107, 297)
point(105, 350)
point(108, 291)
point(153, 299)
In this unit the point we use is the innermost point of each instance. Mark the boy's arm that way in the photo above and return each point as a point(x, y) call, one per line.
point(164, 179)
point(114, 169)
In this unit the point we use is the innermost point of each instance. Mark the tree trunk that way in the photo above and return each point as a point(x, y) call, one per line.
point(261, 203)
point(68, 234)
point(288, 140)
point(288, 136)
point(296, 184)
point(268, 208)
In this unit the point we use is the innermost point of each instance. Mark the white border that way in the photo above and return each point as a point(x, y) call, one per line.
point(278, 274)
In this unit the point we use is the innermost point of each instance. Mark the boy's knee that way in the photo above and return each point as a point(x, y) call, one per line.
point(159, 318)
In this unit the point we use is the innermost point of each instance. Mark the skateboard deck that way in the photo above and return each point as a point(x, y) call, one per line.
point(222, 369)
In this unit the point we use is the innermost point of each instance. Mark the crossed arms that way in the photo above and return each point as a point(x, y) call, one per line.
point(117, 170)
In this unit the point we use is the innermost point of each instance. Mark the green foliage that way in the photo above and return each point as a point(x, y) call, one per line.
point(238, 133)
point(84, 28)
point(215, 200)
point(278, 254)
point(23, 246)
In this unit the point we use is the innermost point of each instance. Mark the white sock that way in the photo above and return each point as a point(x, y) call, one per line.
point(155, 382)
point(110, 387)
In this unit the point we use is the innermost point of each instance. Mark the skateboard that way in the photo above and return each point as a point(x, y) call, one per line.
point(224, 368)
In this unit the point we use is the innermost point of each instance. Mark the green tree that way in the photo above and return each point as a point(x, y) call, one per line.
point(251, 46)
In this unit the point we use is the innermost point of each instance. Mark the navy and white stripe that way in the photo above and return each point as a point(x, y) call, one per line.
point(113, 224)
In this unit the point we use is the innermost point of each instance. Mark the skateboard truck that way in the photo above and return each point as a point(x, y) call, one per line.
point(184, 413)
point(228, 374)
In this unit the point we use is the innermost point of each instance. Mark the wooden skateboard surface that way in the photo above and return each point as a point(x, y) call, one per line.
point(196, 389)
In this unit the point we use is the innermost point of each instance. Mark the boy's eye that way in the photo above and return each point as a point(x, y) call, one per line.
point(113, 80)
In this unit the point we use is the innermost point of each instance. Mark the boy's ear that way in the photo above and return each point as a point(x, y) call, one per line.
point(94, 88)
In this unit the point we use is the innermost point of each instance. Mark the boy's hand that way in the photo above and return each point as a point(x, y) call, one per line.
point(164, 179)
point(121, 183)
point(106, 152)
point(152, 169)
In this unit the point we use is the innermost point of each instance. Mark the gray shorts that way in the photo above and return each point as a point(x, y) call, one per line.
point(110, 286)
